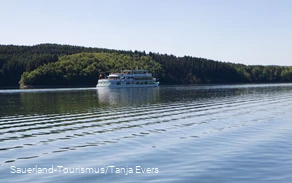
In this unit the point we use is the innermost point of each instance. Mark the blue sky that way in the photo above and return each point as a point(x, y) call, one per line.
point(239, 31)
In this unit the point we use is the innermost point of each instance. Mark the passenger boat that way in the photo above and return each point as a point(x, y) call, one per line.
point(128, 79)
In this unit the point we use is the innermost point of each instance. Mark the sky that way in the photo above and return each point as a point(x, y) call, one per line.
point(251, 32)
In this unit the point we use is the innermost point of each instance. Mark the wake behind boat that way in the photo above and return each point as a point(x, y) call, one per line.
point(129, 79)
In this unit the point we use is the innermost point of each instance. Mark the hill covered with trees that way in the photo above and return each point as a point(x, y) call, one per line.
point(15, 60)
point(84, 68)
point(65, 65)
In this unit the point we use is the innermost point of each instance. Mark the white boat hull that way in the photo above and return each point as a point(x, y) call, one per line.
point(124, 85)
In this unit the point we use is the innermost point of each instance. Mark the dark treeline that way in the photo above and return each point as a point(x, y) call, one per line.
point(188, 70)
point(53, 64)
point(15, 60)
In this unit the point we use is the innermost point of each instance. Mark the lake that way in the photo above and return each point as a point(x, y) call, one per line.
point(194, 133)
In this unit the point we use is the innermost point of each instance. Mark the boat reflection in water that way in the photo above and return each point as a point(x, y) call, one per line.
point(127, 96)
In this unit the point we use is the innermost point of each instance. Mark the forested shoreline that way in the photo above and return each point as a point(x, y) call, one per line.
point(66, 65)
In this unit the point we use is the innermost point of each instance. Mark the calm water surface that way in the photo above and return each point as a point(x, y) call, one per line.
point(210, 133)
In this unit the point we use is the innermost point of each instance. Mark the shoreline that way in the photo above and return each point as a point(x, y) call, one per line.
point(44, 86)
point(85, 86)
